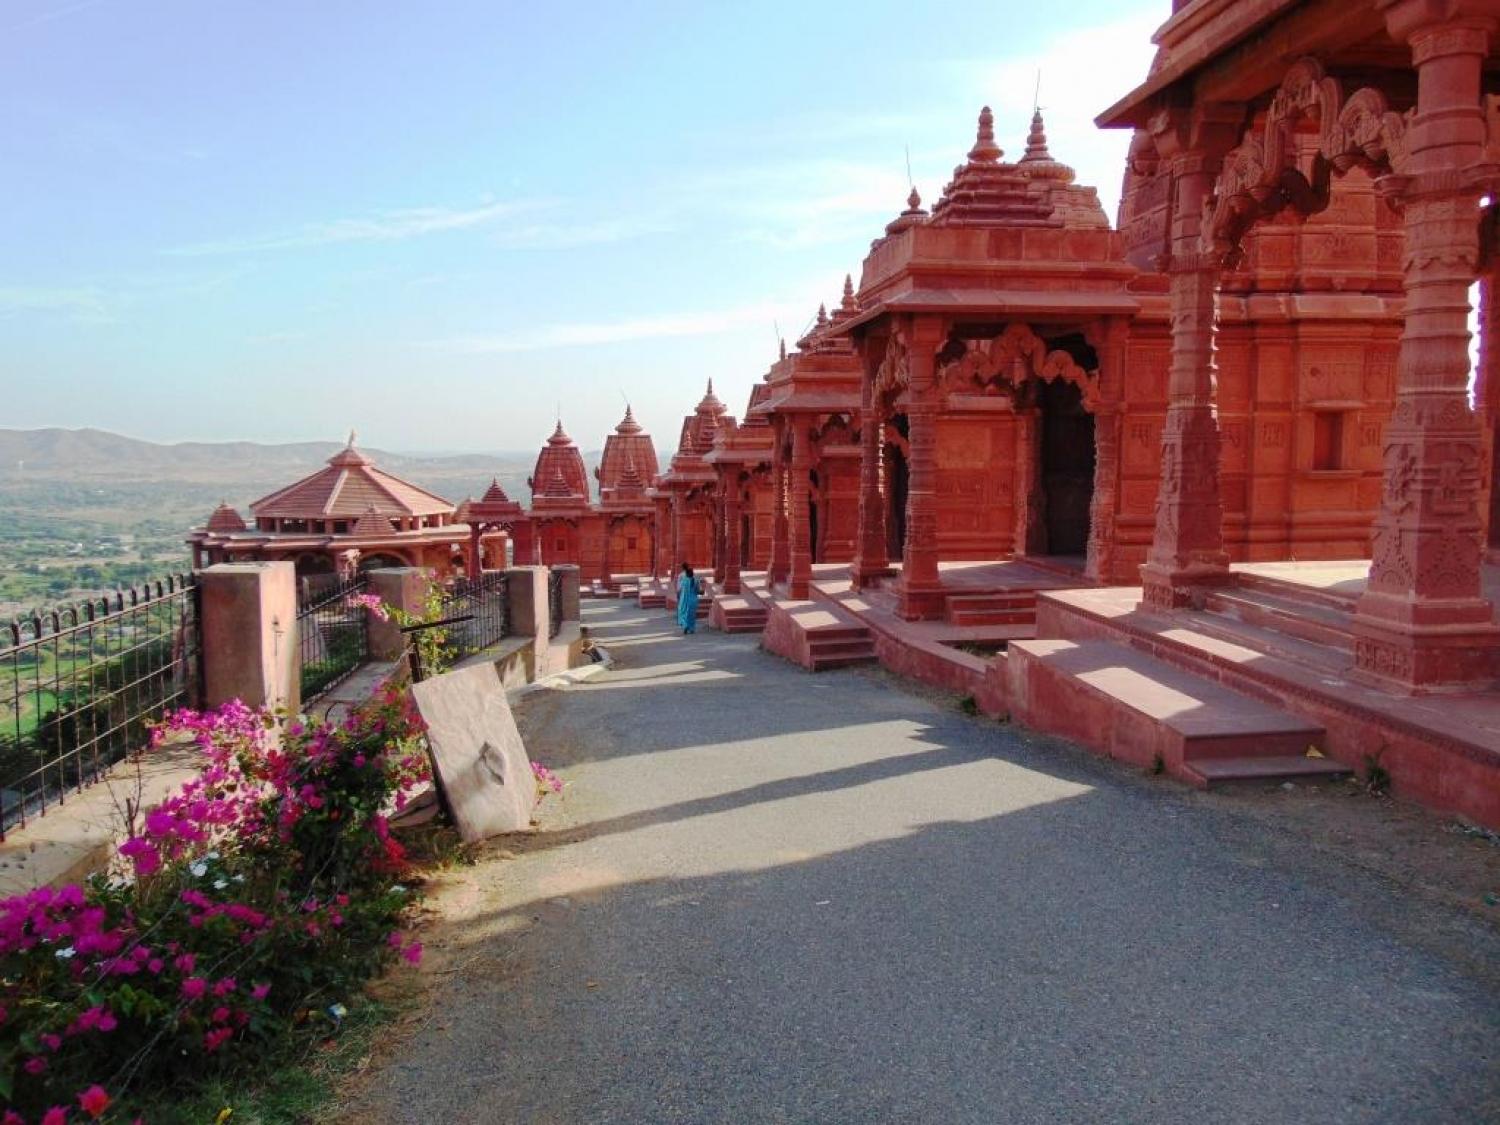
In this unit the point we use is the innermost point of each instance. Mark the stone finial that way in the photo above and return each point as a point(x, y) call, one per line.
point(913, 201)
point(783, 347)
point(558, 436)
point(350, 443)
point(1038, 162)
point(1036, 140)
point(822, 316)
point(628, 424)
point(985, 150)
point(848, 302)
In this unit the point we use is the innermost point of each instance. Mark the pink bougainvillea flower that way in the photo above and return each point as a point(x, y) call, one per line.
point(12, 1118)
point(194, 988)
point(57, 1115)
point(94, 1101)
point(216, 1038)
point(413, 953)
point(260, 991)
point(35, 1065)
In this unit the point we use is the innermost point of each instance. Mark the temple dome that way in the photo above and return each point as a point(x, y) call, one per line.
point(225, 519)
point(559, 478)
point(985, 192)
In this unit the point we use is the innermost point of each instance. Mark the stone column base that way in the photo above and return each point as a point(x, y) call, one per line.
point(1430, 657)
point(921, 603)
point(1164, 588)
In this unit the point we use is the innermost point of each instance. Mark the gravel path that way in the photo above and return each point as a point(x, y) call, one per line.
point(767, 896)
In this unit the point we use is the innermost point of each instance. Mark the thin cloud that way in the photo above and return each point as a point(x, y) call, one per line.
point(575, 334)
point(383, 226)
point(78, 302)
point(55, 14)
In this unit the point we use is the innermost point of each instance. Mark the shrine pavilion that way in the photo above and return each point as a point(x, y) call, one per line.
point(348, 515)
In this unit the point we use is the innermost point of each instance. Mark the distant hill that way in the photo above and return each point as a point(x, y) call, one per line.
point(91, 454)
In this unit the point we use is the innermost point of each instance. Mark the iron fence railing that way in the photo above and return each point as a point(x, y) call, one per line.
point(554, 602)
point(79, 686)
point(332, 635)
point(483, 601)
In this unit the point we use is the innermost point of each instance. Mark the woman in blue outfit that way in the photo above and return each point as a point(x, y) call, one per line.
point(687, 600)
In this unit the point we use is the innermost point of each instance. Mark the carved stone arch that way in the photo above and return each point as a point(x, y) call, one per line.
point(1014, 358)
point(1260, 177)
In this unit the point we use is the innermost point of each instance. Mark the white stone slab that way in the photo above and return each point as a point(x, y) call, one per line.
point(481, 763)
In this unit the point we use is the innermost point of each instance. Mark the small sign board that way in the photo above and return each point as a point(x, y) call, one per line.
point(479, 762)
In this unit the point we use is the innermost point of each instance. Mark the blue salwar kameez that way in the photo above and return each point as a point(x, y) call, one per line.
point(687, 603)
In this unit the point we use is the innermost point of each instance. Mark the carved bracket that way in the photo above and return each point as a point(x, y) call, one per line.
point(1260, 177)
point(1011, 360)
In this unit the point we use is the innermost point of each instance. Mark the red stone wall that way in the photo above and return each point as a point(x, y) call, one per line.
point(838, 510)
point(975, 483)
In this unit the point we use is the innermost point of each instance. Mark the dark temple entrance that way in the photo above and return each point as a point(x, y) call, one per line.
point(896, 476)
point(1067, 467)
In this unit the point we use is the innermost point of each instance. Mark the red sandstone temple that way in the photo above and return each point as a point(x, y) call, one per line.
point(1204, 489)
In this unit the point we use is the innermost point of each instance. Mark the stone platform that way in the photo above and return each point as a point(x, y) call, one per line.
point(1239, 690)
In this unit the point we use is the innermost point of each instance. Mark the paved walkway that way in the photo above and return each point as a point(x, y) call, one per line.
point(773, 897)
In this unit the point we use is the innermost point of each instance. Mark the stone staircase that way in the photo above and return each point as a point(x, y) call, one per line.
point(839, 646)
point(1156, 714)
point(740, 615)
point(651, 596)
point(1016, 607)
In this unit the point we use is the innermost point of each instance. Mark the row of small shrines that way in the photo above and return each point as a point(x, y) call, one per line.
point(1014, 377)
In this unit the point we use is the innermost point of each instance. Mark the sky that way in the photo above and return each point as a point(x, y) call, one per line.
point(440, 224)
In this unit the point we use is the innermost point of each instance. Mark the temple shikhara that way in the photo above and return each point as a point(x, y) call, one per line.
point(1207, 487)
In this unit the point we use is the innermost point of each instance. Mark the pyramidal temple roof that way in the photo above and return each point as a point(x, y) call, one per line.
point(348, 488)
point(559, 475)
point(628, 464)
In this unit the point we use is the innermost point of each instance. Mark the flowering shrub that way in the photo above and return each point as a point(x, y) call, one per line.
point(261, 892)
point(546, 780)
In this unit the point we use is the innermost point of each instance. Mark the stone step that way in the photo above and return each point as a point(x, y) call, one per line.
point(1214, 772)
point(1308, 620)
point(1203, 635)
point(1134, 706)
point(968, 617)
point(1297, 592)
point(847, 660)
point(838, 647)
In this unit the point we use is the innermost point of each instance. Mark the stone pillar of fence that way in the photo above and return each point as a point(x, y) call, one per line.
point(401, 587)
point(570, 579)
point(526, 592)
point(249, 627)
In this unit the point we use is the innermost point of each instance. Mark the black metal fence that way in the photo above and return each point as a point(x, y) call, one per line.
point(332, 635)
point(79, 685)
point(484, 601)
point(554, 602)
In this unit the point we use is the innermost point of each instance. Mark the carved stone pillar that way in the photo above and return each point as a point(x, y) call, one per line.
point(800, 578)
point(1487, 381)
point(604, 575)
point(1187, 552)
point(1029, 537)
point(870, 558)
point(677, 556)
point(780, 549)
point(921, 587)
point(1100, 564)
point(1423, 623)
point(733, 548)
